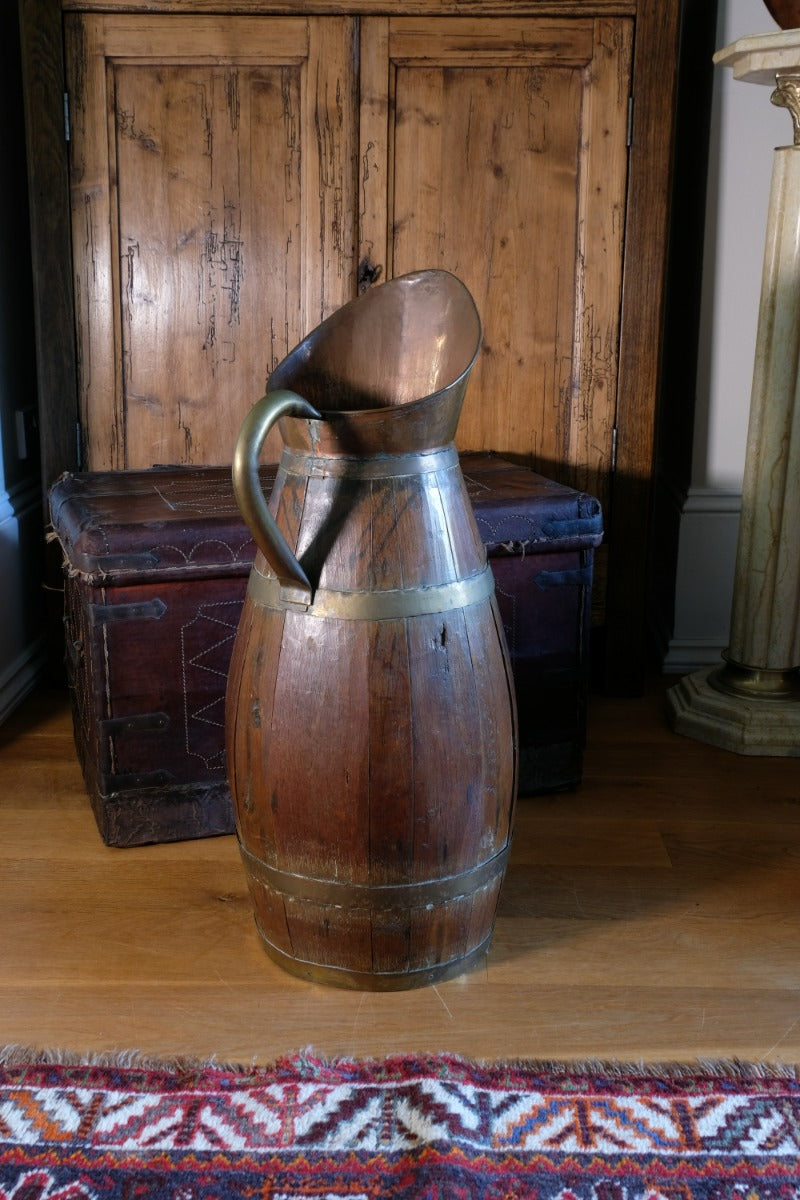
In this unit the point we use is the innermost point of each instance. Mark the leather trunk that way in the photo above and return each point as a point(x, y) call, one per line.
point(156, 564)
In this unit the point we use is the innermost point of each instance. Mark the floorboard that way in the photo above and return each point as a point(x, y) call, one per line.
point(652, 913)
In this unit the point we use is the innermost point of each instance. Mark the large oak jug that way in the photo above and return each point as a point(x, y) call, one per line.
point(371, 729)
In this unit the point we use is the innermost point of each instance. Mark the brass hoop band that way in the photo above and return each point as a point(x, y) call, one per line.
point(386, 466)
point(376, 981)
point(377, 897)
point(391, 604)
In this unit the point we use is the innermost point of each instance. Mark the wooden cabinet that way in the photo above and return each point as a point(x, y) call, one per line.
point(216, 208)
point(213, 218)
point(234, 178)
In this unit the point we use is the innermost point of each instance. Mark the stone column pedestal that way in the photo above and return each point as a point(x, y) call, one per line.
point(751, 702)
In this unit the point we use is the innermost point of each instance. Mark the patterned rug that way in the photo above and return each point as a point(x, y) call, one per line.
point(417, 1128)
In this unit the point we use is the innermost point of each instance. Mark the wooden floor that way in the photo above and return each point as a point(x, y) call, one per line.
point(654, 913)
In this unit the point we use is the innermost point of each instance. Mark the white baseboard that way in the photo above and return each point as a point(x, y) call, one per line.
point(683, 657)
point(20, 677)
point(23, 650)
point(706, 566)
point(20, 500)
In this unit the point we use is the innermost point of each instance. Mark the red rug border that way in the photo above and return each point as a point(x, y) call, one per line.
point(447, 1156)
point(313, 1065)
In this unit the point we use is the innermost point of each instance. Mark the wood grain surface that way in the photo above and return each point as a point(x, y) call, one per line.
point(212, 172)
point(348, 169)
point(370, 754)
point(222, 171)
point(652, 913)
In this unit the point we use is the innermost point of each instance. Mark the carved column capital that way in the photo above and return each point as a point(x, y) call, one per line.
point(787, 95)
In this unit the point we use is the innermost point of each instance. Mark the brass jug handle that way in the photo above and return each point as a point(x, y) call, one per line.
point(295, 586)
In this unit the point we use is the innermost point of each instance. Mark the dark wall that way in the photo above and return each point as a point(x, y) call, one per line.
point(17, 348)
point(22, 541)
point(679, 375)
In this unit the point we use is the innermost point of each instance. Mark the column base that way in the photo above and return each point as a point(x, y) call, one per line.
point(740, 723)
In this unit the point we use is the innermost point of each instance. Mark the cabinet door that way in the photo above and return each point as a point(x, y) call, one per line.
point(213, 201)
point(502, 156)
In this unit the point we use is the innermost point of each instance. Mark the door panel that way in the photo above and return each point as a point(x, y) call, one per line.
point(213, 201)
point(502, 157)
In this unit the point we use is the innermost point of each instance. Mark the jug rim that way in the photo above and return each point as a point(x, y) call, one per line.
point(303, 350)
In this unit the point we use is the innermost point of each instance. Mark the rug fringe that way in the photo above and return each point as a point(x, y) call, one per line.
point(718, 1068)
point(17, 1055)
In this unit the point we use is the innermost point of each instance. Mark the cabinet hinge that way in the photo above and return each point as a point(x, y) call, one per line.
point(614, 449)
point(66, 116)
point(629, 135)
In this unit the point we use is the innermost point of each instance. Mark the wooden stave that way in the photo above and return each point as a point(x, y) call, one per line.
point(301, 668)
